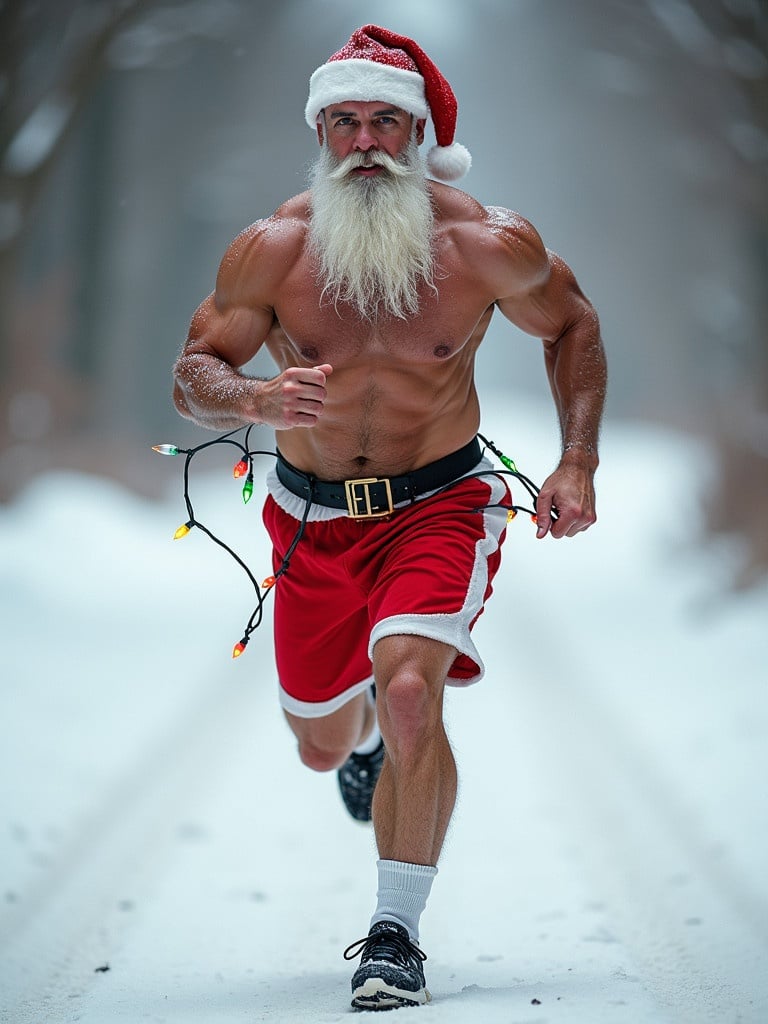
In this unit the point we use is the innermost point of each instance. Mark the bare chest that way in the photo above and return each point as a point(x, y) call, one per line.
point(311, 329)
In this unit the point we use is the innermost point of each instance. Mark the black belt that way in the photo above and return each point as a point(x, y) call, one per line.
point(374, 497)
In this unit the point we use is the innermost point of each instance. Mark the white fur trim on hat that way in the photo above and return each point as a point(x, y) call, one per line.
point(366, 82)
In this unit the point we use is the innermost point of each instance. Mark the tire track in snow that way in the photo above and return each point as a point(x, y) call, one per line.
point(53, 939)
point(697, 928)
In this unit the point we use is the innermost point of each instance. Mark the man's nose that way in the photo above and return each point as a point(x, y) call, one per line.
point(365, 139)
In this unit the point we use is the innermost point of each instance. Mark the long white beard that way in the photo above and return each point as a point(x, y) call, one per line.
point(372, 237)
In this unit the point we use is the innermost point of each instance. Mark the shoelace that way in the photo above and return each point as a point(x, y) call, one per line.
point(387, 944)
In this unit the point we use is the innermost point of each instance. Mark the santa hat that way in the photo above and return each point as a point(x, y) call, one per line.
point(377, 64)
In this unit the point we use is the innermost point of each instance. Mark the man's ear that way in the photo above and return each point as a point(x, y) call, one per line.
point(319, 127)
point(420, 130)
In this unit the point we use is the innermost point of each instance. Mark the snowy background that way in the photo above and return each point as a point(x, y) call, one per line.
point(607, 861)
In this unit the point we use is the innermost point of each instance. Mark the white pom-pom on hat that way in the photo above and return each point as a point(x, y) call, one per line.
point(377, 64)
point(449, 163)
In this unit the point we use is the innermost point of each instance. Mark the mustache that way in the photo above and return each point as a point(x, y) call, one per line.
point(378, 159)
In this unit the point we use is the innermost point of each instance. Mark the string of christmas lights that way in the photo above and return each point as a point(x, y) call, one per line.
point(513, 471)
point(243, 470)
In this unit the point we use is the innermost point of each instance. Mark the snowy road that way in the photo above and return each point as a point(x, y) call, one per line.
point(607, 861)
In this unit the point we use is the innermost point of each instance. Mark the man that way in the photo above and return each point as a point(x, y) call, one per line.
point(372, 292)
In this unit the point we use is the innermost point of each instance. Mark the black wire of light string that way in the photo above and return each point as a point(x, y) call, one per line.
point(511, 471)
point(255, 620)
point(514, 472)
point(228, 438)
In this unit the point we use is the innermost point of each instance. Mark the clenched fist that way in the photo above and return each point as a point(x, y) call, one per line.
point(295, 398)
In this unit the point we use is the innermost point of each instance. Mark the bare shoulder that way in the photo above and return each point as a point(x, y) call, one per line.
point(263, 251)
point(502, 242)
point(535, 288)
point(521, 256)
point(514, 232)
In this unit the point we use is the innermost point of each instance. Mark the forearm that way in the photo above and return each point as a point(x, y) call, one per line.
point(214, 394)
point(577, 373)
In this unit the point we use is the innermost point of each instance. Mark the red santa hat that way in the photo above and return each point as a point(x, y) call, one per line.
point(377, 64)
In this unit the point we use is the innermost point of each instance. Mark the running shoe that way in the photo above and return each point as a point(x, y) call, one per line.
point(357, 780)
point(390, 972)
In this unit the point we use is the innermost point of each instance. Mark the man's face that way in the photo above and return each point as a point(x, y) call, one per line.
point(372, 217)
point(357, 127)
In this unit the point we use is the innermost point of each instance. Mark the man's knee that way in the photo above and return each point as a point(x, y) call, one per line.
point(406, 696)
point(321, 758)
point(411, 710)
point(326, 743)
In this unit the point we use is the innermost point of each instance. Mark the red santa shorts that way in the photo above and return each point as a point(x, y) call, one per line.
point(426, 570)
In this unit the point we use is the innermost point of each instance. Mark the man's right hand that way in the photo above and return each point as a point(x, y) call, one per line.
point(295, 398)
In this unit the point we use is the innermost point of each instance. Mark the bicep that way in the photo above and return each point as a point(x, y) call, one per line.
point(233, 322)
point(230, 332)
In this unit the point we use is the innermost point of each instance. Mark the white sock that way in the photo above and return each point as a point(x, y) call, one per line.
point(371, 743)
point(373, 740)
point(402, 894)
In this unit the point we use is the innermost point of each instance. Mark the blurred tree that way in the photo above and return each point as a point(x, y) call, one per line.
point(720, 50)
point(737, 505)
point(705, 64)
point(73, 75)
point(52, 54)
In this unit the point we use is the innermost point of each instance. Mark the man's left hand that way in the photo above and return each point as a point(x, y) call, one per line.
point(566, 502)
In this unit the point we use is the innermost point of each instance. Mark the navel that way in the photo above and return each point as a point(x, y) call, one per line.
point(441, 351)
point(310, 352)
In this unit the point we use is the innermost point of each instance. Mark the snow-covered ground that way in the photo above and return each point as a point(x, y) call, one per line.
point(165, 857)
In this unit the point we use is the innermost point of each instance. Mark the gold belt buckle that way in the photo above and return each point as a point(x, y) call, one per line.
point(360, 502)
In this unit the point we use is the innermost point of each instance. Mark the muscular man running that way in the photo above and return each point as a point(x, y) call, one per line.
point(372, 292)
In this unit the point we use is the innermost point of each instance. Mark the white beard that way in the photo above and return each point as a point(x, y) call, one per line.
point(372, 237)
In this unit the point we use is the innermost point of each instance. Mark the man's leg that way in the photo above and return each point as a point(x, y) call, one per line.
point(416, 794)
point(412, 807)
point(326, 743)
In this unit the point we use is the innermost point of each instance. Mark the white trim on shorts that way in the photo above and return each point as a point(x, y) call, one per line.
point(319, 709)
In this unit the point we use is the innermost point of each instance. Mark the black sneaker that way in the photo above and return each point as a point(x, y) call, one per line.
point(357, 780)
point(390, 972)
